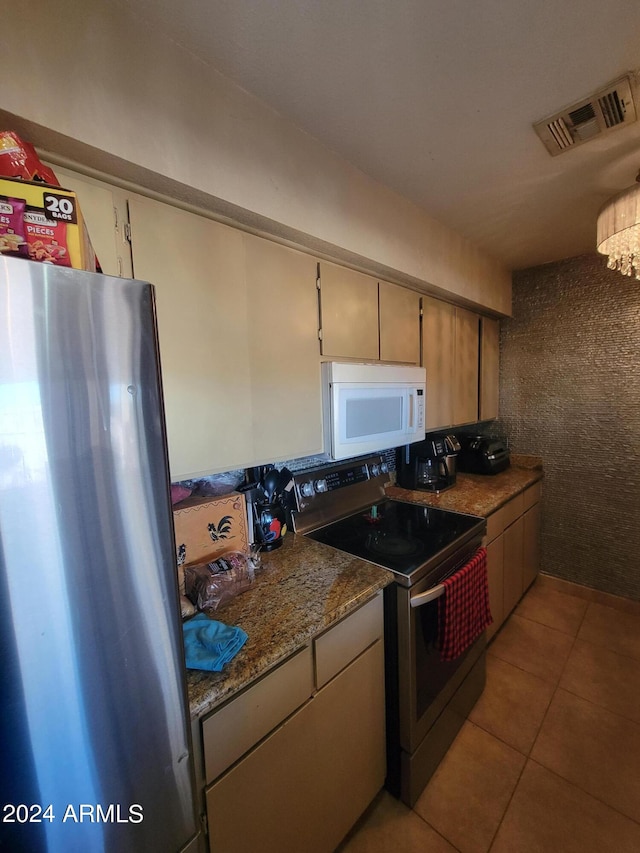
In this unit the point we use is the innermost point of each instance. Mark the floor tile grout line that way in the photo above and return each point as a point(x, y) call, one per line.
point(506, 808)
point(619, 603)
point(610, 649)
point(527, 755)
point(599, 707)
point(556, 685)
point(583, 790)
point(595, 705)
point(522, 669)
point(437, 831)
point(550, 627)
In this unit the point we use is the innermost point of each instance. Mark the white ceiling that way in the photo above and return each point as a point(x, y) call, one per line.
point(436, 99)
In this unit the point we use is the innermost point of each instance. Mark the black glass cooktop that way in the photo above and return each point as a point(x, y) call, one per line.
point(399, 536)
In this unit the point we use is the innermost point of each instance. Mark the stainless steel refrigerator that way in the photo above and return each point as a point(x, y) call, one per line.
point(95, 748)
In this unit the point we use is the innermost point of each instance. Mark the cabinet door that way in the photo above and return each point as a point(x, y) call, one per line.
point(348, 313)
point(495, 572)
point(285, 388)
point(104, 211)
point(399, 323)
point(489, 368)
point(197, 267)
point(465, 401)
point(513, 564)
point(531, 536)
point(438, 348)
point(305, 786)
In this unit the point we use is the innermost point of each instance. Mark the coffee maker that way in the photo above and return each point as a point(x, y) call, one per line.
point(428, 465)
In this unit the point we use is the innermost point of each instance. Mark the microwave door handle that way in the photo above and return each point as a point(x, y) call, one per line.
point(412, 412)
point(426, 597)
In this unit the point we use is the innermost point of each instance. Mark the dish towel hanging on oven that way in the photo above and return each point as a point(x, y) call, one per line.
point(463, 610)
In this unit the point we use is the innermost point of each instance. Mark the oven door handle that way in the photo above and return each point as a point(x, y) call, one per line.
point(426, 597)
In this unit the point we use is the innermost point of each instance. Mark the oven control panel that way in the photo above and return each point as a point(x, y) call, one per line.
point(333, 480)
point(338, 488)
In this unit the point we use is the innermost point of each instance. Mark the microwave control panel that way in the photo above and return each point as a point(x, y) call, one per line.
point(420, 409)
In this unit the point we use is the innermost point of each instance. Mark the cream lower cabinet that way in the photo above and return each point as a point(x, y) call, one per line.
point(304, 784)
point(513, 552)
point(495, 573)
point(513, 561)
point(531, 541)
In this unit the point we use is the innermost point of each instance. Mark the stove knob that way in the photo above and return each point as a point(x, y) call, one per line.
point(321, 486)
point(374, 470)
point(306, 490)
point(384, 468)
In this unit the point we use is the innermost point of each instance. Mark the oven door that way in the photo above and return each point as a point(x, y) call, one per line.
point(369, 418)
point(425, 683)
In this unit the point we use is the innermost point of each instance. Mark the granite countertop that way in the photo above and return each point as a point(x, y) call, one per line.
point(302, 588)
point(479, 494)
point(305, 587)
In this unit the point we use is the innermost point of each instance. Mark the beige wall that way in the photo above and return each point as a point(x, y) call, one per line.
point(90, 73)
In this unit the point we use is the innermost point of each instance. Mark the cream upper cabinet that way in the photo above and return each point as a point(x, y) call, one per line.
point(348, 313)
point(438, 354)
point(197, 267)
point(362, 318)
point(465, 400)
point(450, 354)
point(399, 323)
point(104, 210)
point(282, 305)
point(237, 322)
point(489, 368)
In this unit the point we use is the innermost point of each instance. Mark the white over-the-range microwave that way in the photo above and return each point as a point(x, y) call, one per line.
point(371, 407)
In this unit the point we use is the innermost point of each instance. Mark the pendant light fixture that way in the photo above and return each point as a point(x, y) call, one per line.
point(619, 231)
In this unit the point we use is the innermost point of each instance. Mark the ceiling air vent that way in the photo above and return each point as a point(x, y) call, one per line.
point(604, 111)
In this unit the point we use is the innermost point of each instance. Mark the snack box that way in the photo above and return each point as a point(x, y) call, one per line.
point(55, 229)
point(207, 527)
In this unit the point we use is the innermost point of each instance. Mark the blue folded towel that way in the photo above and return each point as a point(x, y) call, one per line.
point(209, 644)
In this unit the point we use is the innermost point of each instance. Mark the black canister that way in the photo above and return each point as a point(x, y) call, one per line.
point(270, 525)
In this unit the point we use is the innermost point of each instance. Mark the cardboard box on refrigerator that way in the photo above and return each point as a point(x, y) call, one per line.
point(55, 228)
point(205, 528)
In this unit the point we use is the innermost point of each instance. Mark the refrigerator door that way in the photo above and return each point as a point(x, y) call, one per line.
point(96, 744)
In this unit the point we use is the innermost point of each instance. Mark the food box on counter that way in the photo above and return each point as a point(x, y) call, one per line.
point(207, 527)
point(53, 228)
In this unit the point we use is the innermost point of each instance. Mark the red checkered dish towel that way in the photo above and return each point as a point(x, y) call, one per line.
point(463, 610)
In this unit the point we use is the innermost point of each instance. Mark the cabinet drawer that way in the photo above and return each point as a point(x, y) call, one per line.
point(307, 783)
point(495, 525)
point(338, 646)
point(513, 510)
point(531, 496)
point(228, 733)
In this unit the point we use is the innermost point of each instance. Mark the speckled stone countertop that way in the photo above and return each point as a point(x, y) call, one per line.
point(302, 588)
point(478, 494)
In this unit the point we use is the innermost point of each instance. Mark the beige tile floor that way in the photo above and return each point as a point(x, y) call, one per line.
point(549, 760)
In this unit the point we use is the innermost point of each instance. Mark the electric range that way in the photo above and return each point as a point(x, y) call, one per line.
point(427, 699)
